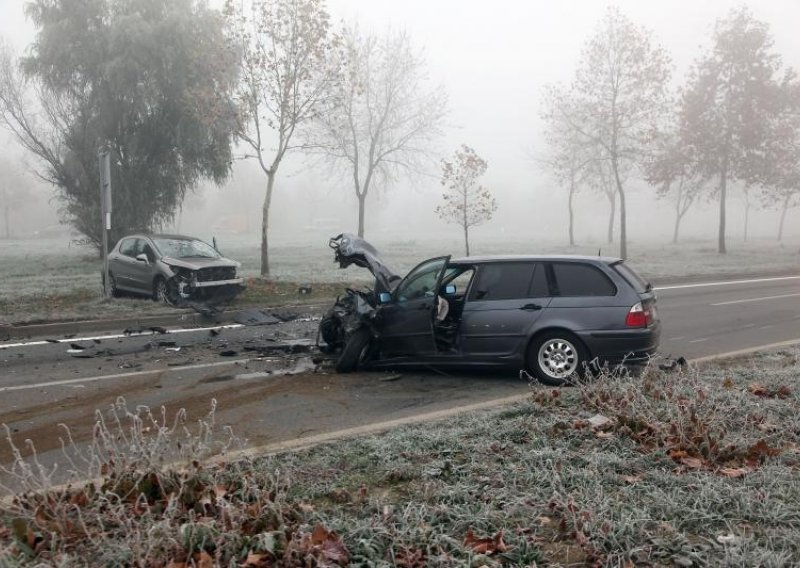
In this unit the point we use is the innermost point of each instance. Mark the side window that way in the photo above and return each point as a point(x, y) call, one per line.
point(461, 282)
point(502, 281)
point(128, 248)
point(139, 248)
point(148, 250)
point(421, 282)
point(572, 279)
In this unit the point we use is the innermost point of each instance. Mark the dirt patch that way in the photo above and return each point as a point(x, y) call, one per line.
point(42, 423)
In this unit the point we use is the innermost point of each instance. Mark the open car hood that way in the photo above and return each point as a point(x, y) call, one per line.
point(350, 249)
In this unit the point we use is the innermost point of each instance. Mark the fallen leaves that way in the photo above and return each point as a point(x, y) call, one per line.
point(763, 391)
point(319, 548)
point(488, 545)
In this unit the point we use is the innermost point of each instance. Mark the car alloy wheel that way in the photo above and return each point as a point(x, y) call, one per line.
point(557, 358)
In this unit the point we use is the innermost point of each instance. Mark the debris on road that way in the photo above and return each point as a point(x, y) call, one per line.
point(673, 364)
point(255, 317)
point(390, 377)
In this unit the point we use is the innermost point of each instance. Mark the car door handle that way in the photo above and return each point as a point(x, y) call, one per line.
point(531, 307)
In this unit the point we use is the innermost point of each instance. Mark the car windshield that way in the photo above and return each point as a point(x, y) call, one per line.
point(185, 248)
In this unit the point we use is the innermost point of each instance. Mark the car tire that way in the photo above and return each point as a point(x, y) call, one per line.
point(354, 351)
point(557, 358)
point(161, 292)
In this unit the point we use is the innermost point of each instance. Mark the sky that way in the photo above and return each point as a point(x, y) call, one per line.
point(493, 59)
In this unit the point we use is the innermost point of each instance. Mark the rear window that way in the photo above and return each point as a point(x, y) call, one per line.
point(631, 277)
point(572, 279)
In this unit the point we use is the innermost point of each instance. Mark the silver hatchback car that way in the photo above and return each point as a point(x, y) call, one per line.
point(174, 269)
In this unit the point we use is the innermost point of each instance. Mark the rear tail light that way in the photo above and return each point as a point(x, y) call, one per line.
point(639, 316)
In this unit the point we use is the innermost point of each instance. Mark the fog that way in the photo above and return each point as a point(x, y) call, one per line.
point(492, 58)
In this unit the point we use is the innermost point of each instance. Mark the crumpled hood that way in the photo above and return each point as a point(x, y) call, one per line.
point(198, 263)
point(351, 249)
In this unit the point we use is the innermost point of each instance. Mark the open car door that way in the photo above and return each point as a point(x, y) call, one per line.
point(407, 321)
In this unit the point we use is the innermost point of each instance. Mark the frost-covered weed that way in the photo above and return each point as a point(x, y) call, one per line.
point(690, 468)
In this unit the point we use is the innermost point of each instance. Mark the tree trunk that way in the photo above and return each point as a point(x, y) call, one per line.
point(677, 222)
point(746, 219)
point(623, 233)
point(723, 186)
point(362, 204)
point(571, 214)
point(780, 227)
point(465, 225)
point(612, 198)
point(265, 224)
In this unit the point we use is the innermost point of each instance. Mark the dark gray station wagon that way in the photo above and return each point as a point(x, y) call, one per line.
point(551, 315)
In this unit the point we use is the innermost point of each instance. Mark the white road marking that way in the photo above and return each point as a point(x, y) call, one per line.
point(677, 338)
point(755, 299)
point(120, 336)
point(699, 340)
point(726, 283)
point(130, 375)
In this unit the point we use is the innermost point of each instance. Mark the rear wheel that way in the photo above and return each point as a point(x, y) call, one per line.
point(354, 352)
point(112, 286)
point(557, 358)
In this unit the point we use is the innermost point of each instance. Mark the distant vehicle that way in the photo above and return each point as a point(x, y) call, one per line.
point(554, 316)
point(173, 269)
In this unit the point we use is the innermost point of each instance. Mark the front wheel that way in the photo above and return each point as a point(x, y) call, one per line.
point(164, 292)
point(354, 352)
point(557, 359)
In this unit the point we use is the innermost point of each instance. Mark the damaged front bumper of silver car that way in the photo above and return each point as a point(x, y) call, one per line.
point(187, 286)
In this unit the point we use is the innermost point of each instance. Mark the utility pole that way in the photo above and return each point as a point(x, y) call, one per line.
point(104, 162)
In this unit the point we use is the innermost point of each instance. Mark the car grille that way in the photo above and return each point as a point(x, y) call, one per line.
point(216, 273)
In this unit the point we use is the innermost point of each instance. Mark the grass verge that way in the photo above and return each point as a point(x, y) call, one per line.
point(689, 468)
point(85, 303)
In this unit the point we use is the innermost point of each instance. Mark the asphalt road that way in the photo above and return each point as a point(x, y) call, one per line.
point(268, 395)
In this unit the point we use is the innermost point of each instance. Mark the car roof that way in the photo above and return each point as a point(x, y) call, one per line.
point(161, 236)
point(531, 258)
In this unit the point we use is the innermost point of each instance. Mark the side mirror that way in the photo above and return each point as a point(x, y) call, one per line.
point(142, 258)
point(450, 290)
point(384, 298)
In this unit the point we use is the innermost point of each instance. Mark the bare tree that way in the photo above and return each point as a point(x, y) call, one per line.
point(384, 117)
point(600, 178)
point(673, 171)
point(729, 103)
point(747, 197)
point(288, 67)
point(570, 153)
point(466, 202)
point(619, 94)
point(15, 192)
